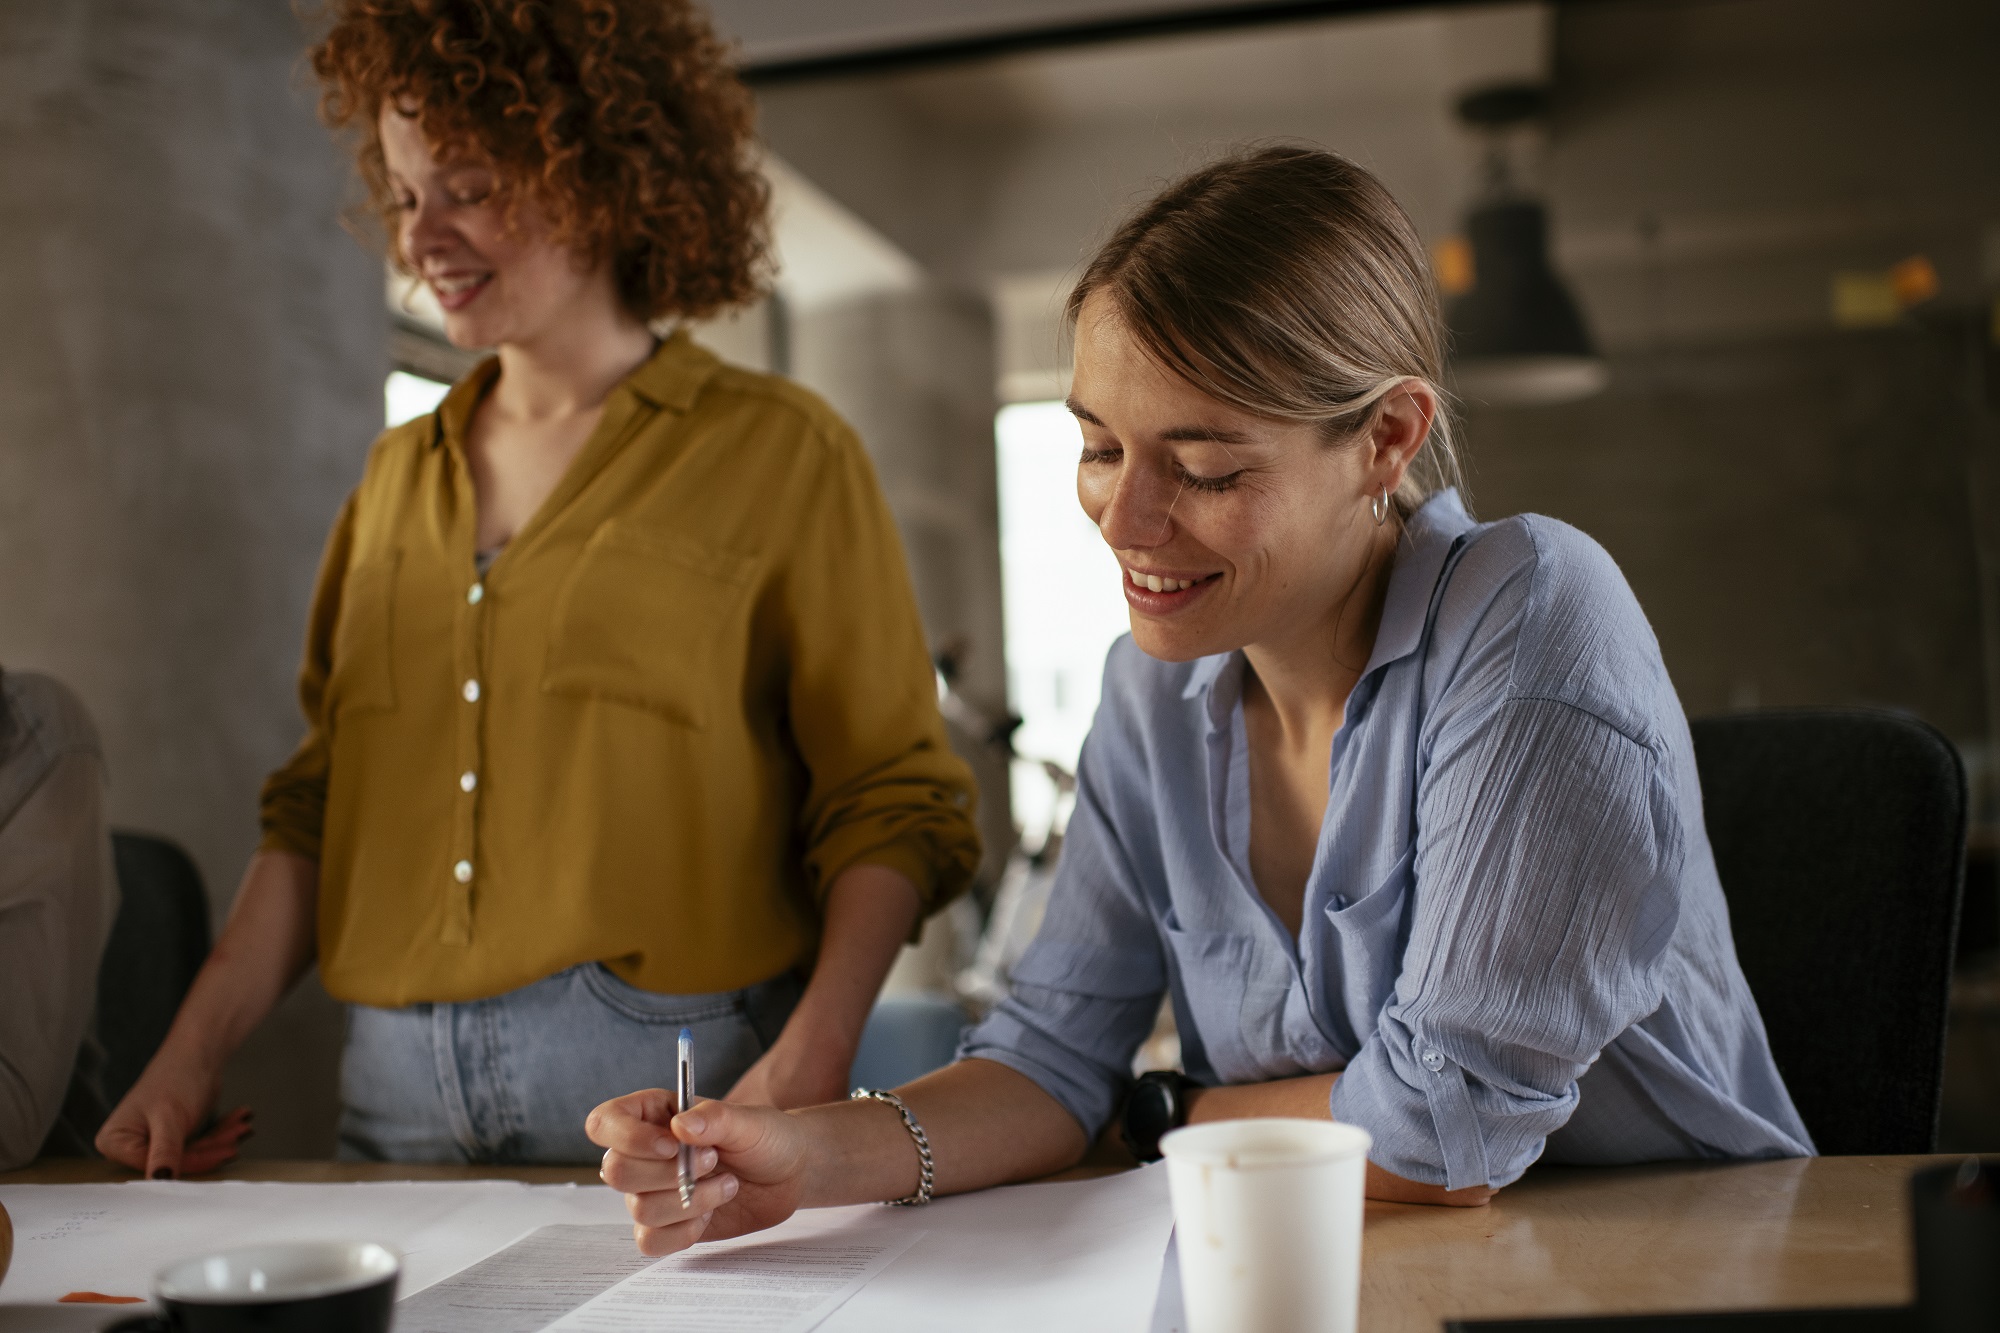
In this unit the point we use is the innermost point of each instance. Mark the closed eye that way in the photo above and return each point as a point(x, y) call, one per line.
point(1195, 482)
point(1091, 455)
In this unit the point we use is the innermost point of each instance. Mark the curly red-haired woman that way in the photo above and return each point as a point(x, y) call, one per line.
point(619, 713)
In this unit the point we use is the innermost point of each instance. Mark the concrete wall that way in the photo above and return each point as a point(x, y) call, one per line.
point(191, 362)
point(1792, 514)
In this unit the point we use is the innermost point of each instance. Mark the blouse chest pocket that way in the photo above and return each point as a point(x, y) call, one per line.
point(1368, 936)
point(362, 674)
point(660, 623)
point(1236, 1003)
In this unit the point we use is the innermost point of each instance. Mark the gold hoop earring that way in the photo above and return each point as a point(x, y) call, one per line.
point(1378, 507)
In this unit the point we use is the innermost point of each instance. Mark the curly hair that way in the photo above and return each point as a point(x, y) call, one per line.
point(623, 120)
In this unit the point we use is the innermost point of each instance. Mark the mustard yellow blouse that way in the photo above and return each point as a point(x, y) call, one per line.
point(686, 696)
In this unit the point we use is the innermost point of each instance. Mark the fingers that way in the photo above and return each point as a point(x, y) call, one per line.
point(633, 1124)
point(663, 1208)
point(637, 1175)
point(658, 1242)
point(165, 1140)
point(726, 1127)
point(123, 1140)
point(219, 1145)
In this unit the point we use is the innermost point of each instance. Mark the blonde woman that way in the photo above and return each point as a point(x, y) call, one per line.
point(1398, 808)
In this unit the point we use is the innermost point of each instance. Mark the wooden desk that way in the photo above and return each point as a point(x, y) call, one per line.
point(1828, 1231)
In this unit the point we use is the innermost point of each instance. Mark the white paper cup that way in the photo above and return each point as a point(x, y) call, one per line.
point(1267, 1222)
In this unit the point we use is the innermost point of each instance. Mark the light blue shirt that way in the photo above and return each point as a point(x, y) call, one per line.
point(1514, 940)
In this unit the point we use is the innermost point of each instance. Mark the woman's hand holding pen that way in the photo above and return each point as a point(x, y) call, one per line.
point(750, 1167)
point(986, 1123)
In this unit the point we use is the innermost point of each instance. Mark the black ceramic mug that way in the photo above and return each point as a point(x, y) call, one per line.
point(307, 1287)
point(1955, 1221)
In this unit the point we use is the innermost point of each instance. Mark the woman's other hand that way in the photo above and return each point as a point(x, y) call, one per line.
point(750, 1166)
point(149, 1129)
point(265, 946)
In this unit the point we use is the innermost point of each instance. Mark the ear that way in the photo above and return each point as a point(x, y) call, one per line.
point(1402, 423)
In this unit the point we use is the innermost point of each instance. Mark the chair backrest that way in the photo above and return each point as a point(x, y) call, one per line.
point(1840, 839)
point(157, 944)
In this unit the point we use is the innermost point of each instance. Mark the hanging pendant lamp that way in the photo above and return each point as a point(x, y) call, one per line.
point(1517, 336)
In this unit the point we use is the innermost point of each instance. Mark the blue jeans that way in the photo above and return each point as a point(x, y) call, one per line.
point(510, 1079)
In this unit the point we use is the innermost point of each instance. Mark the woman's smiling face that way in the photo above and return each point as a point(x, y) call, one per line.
point(1232, 529)
point(496, 275)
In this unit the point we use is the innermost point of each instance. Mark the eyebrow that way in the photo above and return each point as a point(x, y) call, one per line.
point(1177, 434)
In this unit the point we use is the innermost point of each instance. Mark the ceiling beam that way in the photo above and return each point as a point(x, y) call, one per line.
point(770, 72)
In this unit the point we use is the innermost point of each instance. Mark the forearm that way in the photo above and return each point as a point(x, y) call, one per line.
point(266, 945)
point(987, 1125)
point(1306, 1098)
point(869, 912)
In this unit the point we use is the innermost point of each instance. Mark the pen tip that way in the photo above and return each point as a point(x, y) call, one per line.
point(687, 1035)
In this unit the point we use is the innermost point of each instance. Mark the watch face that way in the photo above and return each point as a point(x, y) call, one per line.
point(1149, 1115)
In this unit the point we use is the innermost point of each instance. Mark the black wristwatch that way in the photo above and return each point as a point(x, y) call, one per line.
point(1157, 1103)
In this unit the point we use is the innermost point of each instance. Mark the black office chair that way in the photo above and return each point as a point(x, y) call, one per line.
point(1840, 839)
point(158, 943)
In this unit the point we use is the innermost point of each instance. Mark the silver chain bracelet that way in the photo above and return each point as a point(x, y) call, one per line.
point(925, 1177)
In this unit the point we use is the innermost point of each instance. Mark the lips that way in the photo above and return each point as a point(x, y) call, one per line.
point(455, 291)
point(1165, 594)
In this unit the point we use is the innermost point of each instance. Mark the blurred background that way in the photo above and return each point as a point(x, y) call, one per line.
point(1775, 396)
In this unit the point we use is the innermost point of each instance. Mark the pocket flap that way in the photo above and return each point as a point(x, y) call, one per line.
point(652, 620)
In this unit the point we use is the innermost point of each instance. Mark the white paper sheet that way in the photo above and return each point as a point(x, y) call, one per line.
point(113, 1238)
point(1081, 1255)
point(1078, 1255)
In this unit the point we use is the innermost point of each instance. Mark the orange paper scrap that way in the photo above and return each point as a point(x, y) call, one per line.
point(98, 1298)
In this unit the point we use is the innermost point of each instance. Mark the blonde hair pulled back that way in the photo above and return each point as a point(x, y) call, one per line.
point(1287, 282)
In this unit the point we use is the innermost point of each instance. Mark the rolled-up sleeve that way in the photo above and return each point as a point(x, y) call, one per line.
point(884, 787)
point(1086, 992)
point(1547, 889)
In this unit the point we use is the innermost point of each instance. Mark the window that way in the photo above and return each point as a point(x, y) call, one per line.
point(405, 396)
point(1062, 599)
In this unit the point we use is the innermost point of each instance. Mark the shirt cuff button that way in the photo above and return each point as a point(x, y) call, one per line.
point(1432, 1060)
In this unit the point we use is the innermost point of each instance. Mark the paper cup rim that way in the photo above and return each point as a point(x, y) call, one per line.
point(1220, 1141)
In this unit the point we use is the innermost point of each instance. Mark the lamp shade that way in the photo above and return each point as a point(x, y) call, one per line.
point(1517, 335)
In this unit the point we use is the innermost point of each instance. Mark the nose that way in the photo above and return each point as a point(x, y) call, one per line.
point(424, 232)
point(1133, 508)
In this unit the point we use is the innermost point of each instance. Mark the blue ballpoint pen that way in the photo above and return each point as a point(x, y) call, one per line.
point(683, 1097)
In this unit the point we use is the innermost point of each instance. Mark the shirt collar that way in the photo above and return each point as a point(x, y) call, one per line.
point(1420, 555)
point(670, 378)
